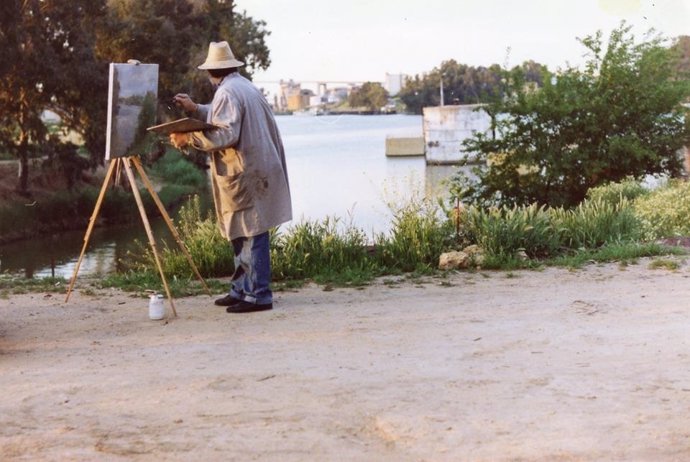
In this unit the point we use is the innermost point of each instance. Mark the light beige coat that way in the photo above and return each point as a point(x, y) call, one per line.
point(248, 172)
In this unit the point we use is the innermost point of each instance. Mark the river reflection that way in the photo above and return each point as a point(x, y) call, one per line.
point(57, 255)
point(337, 168)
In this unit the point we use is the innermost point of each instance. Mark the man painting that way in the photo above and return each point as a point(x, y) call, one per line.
point(248, 171)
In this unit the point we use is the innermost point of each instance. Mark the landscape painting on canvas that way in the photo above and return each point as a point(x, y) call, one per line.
point(132, 103)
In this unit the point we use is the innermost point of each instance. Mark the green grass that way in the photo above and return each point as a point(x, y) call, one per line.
point(336, 255)
point(604, 228)
point(142, 283)
point(663, 263)
point(322, 251)
point(627, 253)
point(665, 212)
point(17, 284)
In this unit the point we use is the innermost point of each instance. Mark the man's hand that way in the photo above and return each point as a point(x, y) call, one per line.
point(179, 140)
point(185, 102)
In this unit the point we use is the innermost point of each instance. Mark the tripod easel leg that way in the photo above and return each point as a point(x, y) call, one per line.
point(149, 232)
point(168, 221)
point(92, 222)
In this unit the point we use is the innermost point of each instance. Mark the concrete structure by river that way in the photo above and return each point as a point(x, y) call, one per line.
point(445, 128)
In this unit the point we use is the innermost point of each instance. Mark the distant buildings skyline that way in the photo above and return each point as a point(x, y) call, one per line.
point(293, 95)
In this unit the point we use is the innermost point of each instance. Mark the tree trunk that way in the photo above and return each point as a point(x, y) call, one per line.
point(23, 173)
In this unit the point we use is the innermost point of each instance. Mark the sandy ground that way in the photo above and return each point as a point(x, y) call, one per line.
point(558, 365)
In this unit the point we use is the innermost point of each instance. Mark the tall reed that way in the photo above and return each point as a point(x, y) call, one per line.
point(320, 250)
point(211, 253)
point(594, 223)
point(418, 236)
point(504, 232)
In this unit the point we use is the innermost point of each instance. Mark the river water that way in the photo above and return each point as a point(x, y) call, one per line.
point(337, 168)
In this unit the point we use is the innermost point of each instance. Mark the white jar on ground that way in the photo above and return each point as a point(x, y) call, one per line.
point(156, 307)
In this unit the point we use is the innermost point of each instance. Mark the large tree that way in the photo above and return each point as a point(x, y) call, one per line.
point(619, 116)
point(56, 55)
point(175, 34)
point(162, 32)
point(371, 95)
point(46, 57)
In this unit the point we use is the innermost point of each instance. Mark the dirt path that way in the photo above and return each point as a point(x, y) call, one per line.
point(589, 365)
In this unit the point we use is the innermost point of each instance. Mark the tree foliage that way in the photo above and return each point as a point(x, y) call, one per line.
point(618, 117)
point(371, 95)
point(175, 34)
point(56, 55)
point(681, 56)
point(46, 53)
point(463, 84)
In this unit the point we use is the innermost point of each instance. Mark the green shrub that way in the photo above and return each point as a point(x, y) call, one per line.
point(119, 206)
point(14, 217)
point(59, 211)
point(171, 195)
point(174, 168)
point(665, 212)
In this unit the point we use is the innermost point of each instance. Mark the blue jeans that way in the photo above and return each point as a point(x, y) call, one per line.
point(252, 276)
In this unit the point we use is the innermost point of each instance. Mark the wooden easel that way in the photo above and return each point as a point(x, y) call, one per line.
point(124, 162)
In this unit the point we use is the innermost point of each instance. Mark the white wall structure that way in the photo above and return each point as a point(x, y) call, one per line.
point(394, 83)
point(446, 127)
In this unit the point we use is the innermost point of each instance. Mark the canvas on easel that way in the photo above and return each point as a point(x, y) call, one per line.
point(132, 102)
point(132, 107)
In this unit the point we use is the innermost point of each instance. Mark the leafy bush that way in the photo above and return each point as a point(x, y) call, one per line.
point(14, 217)
point(61, 210)
point(578, 131)
point(175, 169)
point(119, 206)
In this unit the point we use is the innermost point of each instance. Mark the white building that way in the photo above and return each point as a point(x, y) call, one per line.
point(394, 83)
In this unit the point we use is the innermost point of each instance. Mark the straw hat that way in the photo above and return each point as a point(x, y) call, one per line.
point(220, 57)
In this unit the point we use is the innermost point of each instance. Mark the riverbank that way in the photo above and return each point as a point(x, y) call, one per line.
point(51, 208)
point(48, 207)
point(555, 365)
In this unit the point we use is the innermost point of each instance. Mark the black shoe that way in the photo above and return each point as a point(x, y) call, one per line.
point(246, 307)
point(228, 300)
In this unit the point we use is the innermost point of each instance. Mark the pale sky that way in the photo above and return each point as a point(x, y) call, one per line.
point(362, 40)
